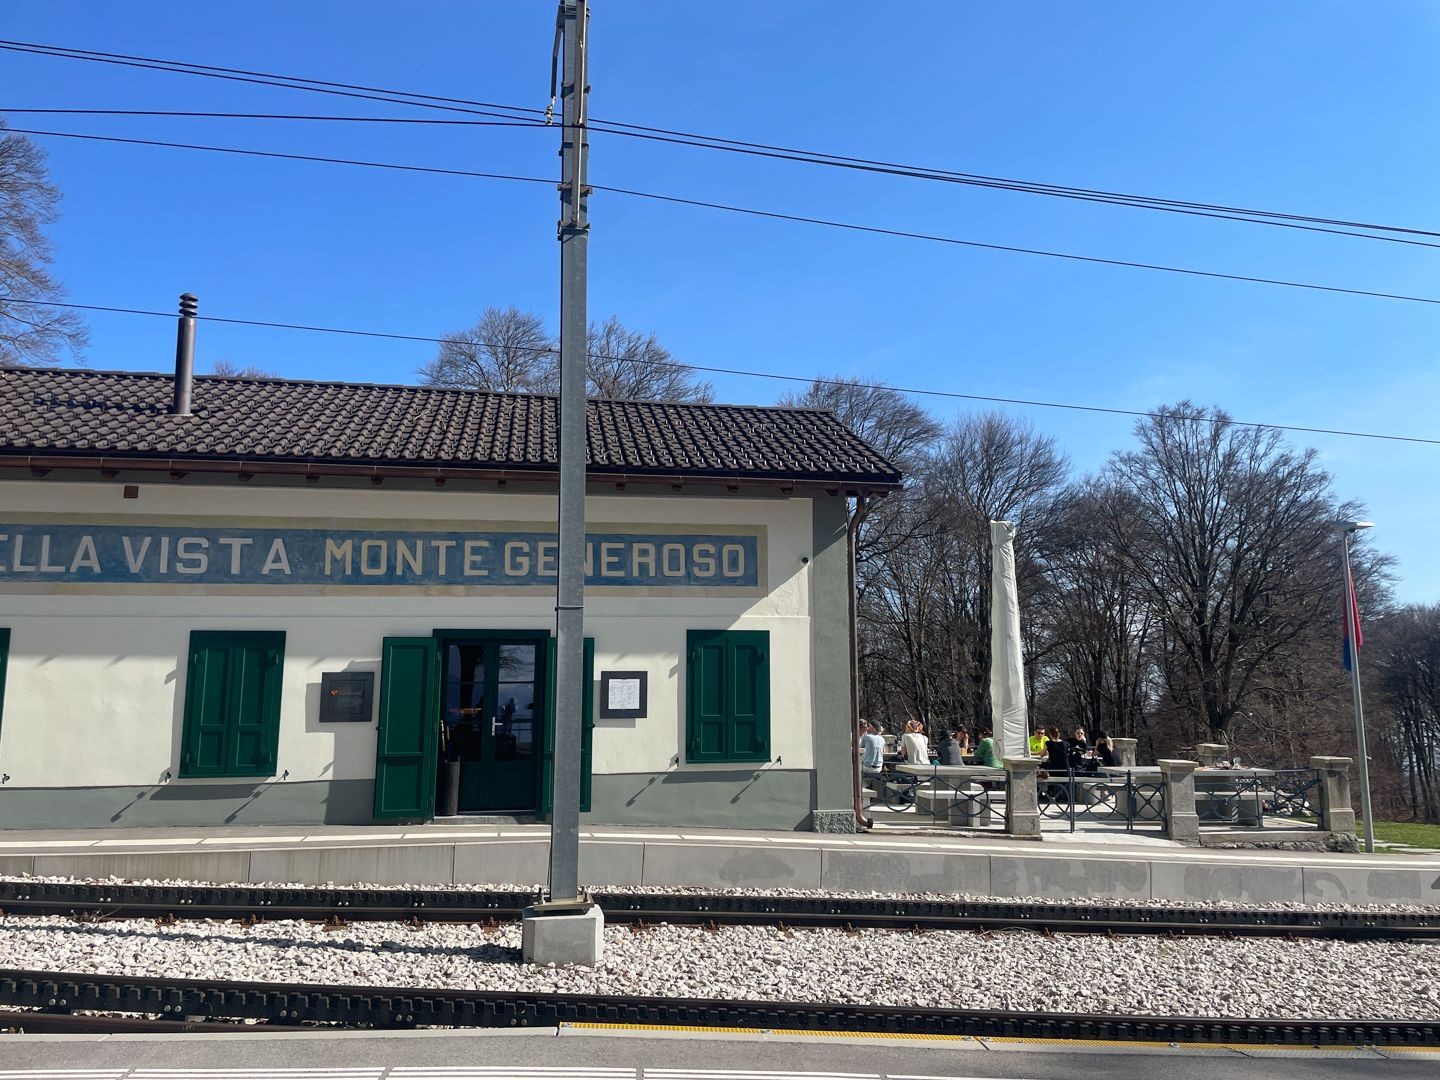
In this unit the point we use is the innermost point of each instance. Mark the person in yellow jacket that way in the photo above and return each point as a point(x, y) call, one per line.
point(1037, 743)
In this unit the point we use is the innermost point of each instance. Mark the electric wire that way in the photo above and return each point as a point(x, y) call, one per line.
point(742, 372)
point(453, 104)
point(1105, 199)
point(316, 158)
point(773, 215)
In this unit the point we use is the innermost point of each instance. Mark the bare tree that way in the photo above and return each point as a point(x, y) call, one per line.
point(1233, 541)
point(507, 351)
point(925, 597)
point(30, 333)
point(900, 430)
point(1098, 623)
point(1404, 652)
point(510, 351)
point(886, 419)
point(228, 369)
point(629, 365)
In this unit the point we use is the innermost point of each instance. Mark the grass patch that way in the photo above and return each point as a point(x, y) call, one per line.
point(1414, 833)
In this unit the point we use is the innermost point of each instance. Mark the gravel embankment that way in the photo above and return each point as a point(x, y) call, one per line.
point(1020, 971)
point(1213, 905)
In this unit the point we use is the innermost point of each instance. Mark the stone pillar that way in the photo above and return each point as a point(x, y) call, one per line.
point(1209, 753)
point(1182, 823)
point(1337, 815)
point(1125, 750)
point(1022, 796)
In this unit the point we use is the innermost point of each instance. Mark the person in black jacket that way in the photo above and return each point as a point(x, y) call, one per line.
point(1057, 754)
point(1104, 751)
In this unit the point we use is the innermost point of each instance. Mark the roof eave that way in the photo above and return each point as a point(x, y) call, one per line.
point(315, 468)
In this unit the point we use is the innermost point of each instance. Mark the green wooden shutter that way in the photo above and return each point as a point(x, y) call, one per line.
point(4, 664)
point(587, 730)
point(728, 695)
point(203, 744)
point(748, 663)
point(705, 718)
point(587, 725)
point(405, 742)
point(255, 708)
point(232, 703)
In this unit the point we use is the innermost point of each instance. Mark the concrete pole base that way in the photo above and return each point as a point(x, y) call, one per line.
point(567, 936)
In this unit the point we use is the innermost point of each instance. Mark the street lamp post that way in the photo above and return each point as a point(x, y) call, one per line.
point(1352, 639)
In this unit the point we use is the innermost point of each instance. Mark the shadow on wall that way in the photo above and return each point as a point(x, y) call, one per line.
point(759, 797)
point(353, 758)
point(353, 741)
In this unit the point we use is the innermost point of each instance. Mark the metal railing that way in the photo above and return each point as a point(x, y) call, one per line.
point(966, 803)
point(1115, 801)
point(1288, 799)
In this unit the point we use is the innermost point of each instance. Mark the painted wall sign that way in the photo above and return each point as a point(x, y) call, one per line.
point(139, 554)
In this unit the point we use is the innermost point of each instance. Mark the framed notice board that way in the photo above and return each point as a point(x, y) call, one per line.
point(623, 695)
point(346, 696)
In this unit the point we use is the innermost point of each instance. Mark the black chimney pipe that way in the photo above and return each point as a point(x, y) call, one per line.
point(185, 355)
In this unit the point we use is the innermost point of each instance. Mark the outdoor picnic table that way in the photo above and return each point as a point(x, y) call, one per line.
point(958, 772)
point(972, 805)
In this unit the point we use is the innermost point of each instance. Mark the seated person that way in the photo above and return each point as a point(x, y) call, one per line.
point(1057, 752)
point(1104, 751)
point(952, 750)
point(1079, 750)
point(985, 750)
point(1037, 743)
point(914, 746)
point(872, 753)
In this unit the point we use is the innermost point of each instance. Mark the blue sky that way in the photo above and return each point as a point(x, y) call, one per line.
point(1322, 108)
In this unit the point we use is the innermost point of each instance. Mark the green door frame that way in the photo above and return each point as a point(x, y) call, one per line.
point(542, 710)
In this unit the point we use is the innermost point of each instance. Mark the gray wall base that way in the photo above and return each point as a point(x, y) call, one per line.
point(740, 798)
point(327, 802)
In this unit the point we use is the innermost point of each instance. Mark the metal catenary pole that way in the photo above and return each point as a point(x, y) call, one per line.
point(570, 590)
point(1362, 756)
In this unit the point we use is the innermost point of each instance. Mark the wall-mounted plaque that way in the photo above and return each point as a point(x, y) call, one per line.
point(622, 695)
point(345, 696)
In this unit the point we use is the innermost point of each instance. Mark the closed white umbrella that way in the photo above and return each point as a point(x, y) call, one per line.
point(1007, 658)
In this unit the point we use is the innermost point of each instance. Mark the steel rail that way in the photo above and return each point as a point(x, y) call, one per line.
point(192, 1000)
point(96, 901)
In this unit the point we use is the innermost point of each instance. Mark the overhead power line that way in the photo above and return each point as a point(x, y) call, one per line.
point(743, 372)
point(1219, 213)
point(712, 142)
point(773, 215)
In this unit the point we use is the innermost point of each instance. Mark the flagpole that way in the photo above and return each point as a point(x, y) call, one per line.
point(1352, 638)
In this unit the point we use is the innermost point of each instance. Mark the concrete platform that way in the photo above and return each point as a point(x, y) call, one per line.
point(1058, 868)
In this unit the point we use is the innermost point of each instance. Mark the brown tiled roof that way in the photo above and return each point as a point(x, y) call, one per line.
point(54, 414)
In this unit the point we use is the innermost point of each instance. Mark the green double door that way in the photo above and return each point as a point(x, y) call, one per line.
point(476, 701)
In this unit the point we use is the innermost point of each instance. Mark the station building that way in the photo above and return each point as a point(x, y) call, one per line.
point(306, 602)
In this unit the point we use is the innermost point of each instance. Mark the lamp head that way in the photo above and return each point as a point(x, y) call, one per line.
point(1354, 526)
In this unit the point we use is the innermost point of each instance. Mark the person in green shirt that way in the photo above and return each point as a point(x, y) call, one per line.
point(1037, 743)
point(985, 750)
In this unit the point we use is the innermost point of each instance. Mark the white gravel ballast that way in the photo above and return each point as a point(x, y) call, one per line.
point(1013, 970)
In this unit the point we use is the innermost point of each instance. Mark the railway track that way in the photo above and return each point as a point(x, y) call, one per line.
point(190, 1004)
point(104, 901)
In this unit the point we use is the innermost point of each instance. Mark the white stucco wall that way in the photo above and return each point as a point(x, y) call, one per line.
point(94, 694)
